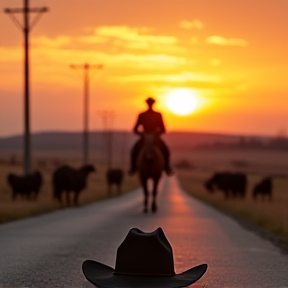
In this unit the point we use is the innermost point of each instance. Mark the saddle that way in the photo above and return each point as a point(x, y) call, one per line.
point(152, 139)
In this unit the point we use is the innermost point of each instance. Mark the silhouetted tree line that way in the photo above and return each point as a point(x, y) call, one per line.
point(278, 143)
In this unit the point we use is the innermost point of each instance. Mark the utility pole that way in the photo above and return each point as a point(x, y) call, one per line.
point(26, 28)
point(86, 78)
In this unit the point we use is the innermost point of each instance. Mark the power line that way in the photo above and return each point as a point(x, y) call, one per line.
point(26, 28)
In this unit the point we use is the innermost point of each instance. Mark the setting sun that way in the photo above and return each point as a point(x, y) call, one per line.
point(182, 101)
point(196, 66)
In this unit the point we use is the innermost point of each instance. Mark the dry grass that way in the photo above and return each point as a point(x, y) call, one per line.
point(96, 190)
point(271, 215)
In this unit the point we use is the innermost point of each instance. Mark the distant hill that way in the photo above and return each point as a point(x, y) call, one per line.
point(73, 140)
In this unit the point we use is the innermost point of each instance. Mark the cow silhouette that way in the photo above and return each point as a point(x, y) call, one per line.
point(25, 186)
point(263, 188)
point(231, 184)
point(70, 180)
point(114, 177)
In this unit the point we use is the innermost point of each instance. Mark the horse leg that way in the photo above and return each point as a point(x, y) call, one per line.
point(76, 194)
point(58, 194)
point(109, 190)
point(36, 195)
point(154, 193)
point(145, 190)
point(67, 198)
point(119, 188)
point(254, 196)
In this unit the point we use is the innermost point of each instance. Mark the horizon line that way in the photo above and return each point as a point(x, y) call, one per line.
point(131, 132)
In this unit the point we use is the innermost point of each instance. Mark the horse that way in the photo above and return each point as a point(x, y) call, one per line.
point(150, 164)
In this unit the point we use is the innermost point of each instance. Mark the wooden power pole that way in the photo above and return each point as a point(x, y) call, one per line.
point(86, 78)
point(26, 28)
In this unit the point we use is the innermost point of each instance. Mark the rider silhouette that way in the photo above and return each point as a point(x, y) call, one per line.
point(151, 122)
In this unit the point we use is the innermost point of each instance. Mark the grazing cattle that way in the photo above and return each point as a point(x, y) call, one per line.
point(232, 184)
point(263, 188)
point(25, 186)
point(70, 180)
point(114, 176)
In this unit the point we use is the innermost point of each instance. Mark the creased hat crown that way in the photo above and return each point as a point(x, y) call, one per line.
point(145, 254)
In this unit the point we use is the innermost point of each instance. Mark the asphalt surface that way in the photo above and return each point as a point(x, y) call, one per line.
point(48, 251)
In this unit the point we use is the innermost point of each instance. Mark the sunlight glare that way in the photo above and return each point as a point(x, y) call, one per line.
point(182, 101)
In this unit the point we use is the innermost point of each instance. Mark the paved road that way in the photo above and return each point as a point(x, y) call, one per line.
point(48, 251)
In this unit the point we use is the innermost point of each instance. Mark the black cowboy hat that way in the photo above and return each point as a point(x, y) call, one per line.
point(144, 260)
point(150, 100)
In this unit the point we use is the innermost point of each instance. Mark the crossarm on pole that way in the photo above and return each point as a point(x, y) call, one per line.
point(38, 16)
point(16, 21)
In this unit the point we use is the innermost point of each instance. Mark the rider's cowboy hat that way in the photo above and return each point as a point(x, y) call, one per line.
point(150, 100)
point(143, 260)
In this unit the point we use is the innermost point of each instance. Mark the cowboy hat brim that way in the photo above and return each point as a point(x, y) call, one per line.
point(102, 275)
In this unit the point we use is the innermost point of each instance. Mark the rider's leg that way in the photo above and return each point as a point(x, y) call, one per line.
point(133, 157)
point(166, 153)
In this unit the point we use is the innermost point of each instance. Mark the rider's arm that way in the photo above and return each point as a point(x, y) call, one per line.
point(136, 127)
point(161, 127)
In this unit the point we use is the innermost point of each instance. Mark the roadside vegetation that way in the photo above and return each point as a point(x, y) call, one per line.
point(193, 168)
point(96, 190)
point(271, 215)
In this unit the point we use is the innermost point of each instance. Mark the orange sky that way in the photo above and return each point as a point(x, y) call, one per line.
point(232, 54)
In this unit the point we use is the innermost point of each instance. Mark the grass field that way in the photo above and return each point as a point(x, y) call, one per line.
point(96, 190)
point(258, 164)
point(255, 163)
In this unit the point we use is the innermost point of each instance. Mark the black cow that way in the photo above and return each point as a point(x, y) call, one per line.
point(67, 179)
point(25, 186)
point(232, 184)
point(114, 176)
point(263, 188)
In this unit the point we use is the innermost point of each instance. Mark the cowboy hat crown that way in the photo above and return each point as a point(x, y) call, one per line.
point(150, 100)
point(133, 257)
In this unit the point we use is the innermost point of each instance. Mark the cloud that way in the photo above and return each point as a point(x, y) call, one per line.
point(215, 62)
point(150, 61)
point(137, 36)
point(170, 78)
point(59, 41)
point(123, 31)
point(50, 58)
point(93, 39)
point(126, 37)
point(112, 45)
point(218, 40)
point(117, 47)
point(197, 24)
